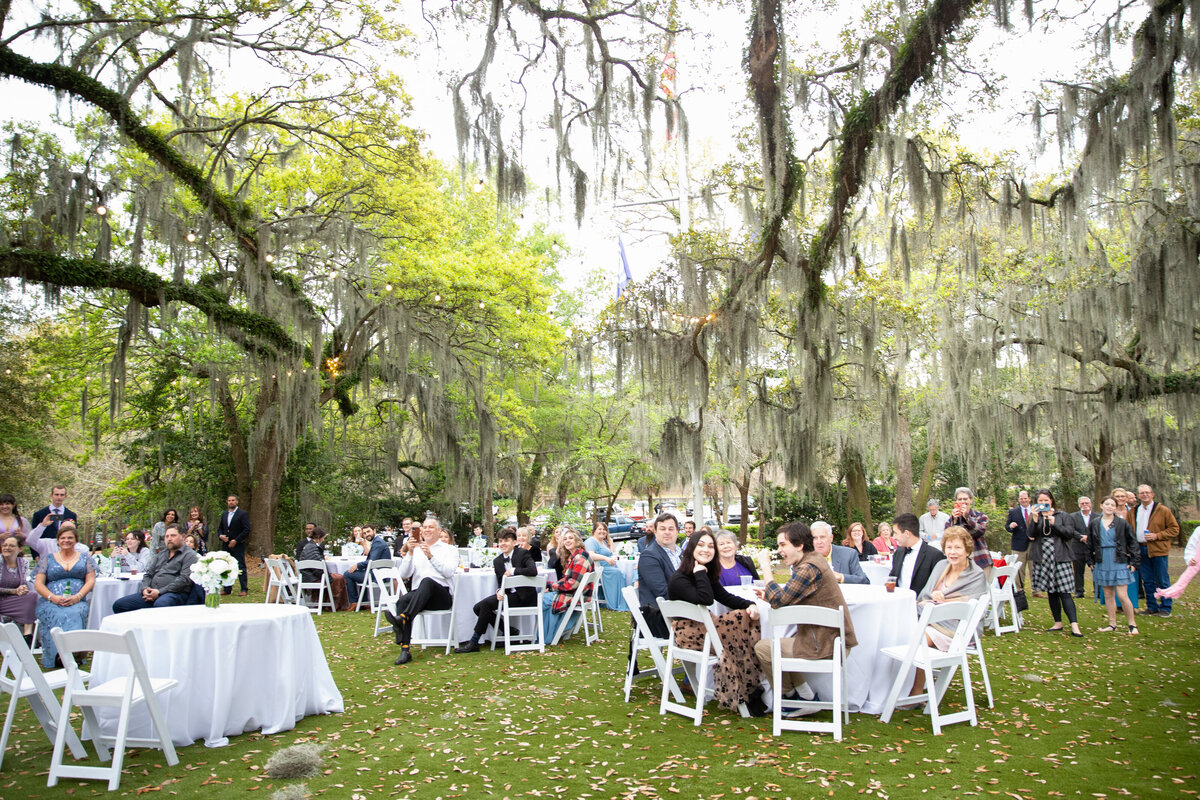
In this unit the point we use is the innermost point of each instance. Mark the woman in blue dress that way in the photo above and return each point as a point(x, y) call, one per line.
point(600, 545)
point(64, 581)
point(1113, 552)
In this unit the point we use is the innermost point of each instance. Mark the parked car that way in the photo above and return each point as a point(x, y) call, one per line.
point(735, 514)
point(621, 527)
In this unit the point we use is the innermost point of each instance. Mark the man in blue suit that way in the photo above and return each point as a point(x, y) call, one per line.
point(656, 565)
point(842, 560)
point(357, 573)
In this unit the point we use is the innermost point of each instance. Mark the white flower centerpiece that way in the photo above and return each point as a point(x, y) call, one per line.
point(213, 571)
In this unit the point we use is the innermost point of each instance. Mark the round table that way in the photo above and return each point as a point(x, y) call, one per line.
point(107, 591)
point(881, 619)
point(337, 565)
point(240, 667)
point(468, 589)
point(876, 573)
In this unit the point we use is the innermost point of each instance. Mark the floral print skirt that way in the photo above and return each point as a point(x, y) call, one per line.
point(738, 672)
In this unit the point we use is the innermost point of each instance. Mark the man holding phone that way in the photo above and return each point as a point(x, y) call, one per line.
point(54, 513)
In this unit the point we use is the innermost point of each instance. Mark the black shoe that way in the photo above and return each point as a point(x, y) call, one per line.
point(1077, 635)
point(469, 647)
point(1164, 613)
point(404, 657)
point(755, 704)
point(1149, 612)
point(390, 617)
point(1056, 630)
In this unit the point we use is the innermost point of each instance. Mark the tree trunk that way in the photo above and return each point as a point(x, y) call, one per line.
point(529, 488)
point(927, 472)
point(1102, 468)
point(743, 488)
point(857, 497)
point(904, 471)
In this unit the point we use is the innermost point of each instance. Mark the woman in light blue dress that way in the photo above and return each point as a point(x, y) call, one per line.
point(64, 583)
point(600, 545)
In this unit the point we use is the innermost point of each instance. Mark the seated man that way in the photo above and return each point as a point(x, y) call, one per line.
point(357, 573)
point(843, 561)
point(511, 561)
point(811, 583)
point(429, 563)
point(914, 561)
point(168, 580)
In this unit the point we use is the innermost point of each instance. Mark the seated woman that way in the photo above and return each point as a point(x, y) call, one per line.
point(886, 542)
point(738, 676)
point(600, 546)
point(856, 537)
point(573, 557)
point(133, 555)
point(17, 603)
point(552, 560)
point(733, 565)
point(64, 580)
point(313, 549)
point(956, 577)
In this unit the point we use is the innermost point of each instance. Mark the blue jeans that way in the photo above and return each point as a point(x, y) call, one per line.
point(134, 602)
point(1154, 575)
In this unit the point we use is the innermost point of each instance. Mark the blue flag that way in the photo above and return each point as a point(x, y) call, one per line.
point(623, 274)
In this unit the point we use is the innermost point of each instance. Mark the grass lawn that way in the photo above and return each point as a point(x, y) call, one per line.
point(1104, 716)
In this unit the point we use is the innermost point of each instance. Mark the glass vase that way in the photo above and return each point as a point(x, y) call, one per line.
point(212, 600)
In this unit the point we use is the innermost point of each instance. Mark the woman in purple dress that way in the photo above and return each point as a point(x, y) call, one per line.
point(17, 603)
point(733, 565)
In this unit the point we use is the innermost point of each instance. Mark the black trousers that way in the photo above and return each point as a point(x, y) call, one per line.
point(486, 611)
point(429, 595)
point(239, 555)
point(1060, 602)
point(1080, 567)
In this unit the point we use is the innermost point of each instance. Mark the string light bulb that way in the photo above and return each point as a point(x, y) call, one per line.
point(437, 298)
point(101, 210)
point(269, 258)
point(191, 236)
point(387, 287)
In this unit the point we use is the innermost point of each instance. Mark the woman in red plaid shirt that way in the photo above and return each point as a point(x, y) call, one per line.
point(576, 563)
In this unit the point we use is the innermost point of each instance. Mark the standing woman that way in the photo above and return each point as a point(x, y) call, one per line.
point(600, 546)
point(573, 557)
point(197, 527)
point(975, 523)
point(886, 542)
point(1050, 535)
point(734, 566)
point(11, 521)
point(160, 529)
point(17, 603)
point(64, 580)
point(1113, 552)
point(856, 537)
point(738, 676)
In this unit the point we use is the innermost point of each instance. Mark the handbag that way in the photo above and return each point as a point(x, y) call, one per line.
point(1022, 602)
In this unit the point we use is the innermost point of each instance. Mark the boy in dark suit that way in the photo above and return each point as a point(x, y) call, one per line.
point(511, 561)
point(921, 556)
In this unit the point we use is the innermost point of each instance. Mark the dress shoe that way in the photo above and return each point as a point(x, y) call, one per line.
point(1149, 612)
point(242, 594)
point(1164, 613)
point(390, 617)
point(755, 704)
point(468, 647)
point(404, 657)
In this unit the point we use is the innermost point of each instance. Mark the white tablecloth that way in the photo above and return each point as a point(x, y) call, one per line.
point(337, 565)
point(106, 592)
point(628, 569)
point(242, 667)
point(881, 619)
point(468, 589)
point(876, 573)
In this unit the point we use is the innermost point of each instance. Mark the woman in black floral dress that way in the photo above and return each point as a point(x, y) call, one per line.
point(738, 675)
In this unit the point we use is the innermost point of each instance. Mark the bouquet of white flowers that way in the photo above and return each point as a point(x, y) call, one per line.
point(212, 571)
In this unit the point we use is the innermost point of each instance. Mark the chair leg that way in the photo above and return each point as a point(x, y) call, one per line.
point(60, 739)
point(91, 726)
point(162, 730)
point(889, 705)
point(987, 683)
point(12, 712)
point(633, 653)
point(118, 757)
point(933, 697)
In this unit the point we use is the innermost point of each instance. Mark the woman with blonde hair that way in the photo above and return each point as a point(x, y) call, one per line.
point(600, 547)
point(856, 537)
point(886, 542)
point(64, 581)
point(576, 564)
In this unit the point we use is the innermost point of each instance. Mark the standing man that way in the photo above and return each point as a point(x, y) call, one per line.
point(429, 564)
point(933, 523)
point(356, 574)
point(689, 528)
point(1079, 548)
point(1155, 527)
point(1017, 525)
point(657, 564)
point(511, 561)
point(842, 561)
point(233, 531)
point(54, 513)
point(913, 561)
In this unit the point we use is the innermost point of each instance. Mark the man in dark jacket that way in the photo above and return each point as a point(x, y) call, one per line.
point(512, 561)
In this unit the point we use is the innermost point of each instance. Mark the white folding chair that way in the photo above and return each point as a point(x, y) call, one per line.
point(508, 612)
point(20, 677)
point(1000, 595)
point(36, 647)
point(919, 655)
point(421, 634)
point(390, 589)
point(369, 586)
point(975, 643)
point(567, 627)
point(123, 693)
point(644, 639)
point(279, 577)
point(697, 664)
point(780, 623)
point(321, 586)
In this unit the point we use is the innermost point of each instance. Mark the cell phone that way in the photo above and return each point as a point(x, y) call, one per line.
point(1043, 507)
point(54, 517)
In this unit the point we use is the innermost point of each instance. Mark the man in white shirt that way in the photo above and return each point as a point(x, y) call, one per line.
point(913, 562)
point(933, 523)
point(1081, 519)
point(430, 564)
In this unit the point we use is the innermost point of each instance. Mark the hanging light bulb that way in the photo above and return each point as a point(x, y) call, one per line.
point(387, 287)
point(481, 304)
point(191, 236)
point(101, 210)
point(269, 258)
point(437, 298)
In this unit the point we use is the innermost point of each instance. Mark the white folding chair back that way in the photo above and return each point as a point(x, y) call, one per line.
point(321, 586)
point(123, 693)
point(975, 643)
point(567, 627)
point(780, 623)
point(999, 596)
point(370, 587)
point(697, 664)
point(20, 677)
point(281, 578)
point(421, 632)
point(390, 589)
point(919, 655)
point(641, 639)
point(508, 613)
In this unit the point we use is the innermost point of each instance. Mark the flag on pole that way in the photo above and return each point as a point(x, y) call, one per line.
point(624, 276)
